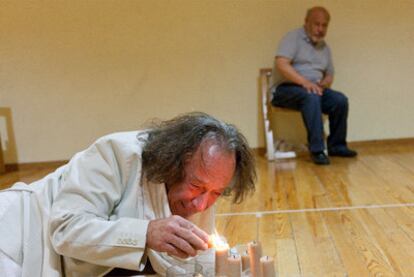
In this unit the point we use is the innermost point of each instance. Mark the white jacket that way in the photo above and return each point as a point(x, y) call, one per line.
point(90, 215)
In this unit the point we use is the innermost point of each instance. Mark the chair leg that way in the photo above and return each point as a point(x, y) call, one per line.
point(273, 151)
point(284, 155)
point(270, 150)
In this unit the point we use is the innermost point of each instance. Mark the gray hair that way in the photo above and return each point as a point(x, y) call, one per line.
point(172, 142)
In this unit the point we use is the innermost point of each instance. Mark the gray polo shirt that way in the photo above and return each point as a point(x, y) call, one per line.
point(310, 61)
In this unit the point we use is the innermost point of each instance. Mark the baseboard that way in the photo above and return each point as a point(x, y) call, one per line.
point(401, 141)
point(260, 151)
point(355, 144)
point(34, 165)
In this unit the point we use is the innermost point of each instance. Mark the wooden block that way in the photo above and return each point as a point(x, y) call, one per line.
point(2, 168)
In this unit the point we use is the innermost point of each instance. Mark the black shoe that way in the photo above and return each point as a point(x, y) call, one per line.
point(343, 152)
point(320, 158)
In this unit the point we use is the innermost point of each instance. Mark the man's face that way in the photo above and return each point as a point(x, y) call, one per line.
point(207, 174)
point(316, 26)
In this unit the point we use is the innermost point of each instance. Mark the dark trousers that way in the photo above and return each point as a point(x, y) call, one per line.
point(332, 103)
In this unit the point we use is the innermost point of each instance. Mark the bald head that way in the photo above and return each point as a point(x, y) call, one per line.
point(316, 23)
point(317, 10)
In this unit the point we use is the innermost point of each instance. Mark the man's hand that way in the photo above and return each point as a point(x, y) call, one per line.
point(176, 236)
point(326, 81)
point(284, 65)
point(312, 87)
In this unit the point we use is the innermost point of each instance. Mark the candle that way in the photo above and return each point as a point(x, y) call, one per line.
point(221, 254)
point(245, 261)
point(221, 260)
point(267, 266)
point(254, 249)
point(234, 266)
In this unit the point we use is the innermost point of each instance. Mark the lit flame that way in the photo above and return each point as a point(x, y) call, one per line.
point(218, 242)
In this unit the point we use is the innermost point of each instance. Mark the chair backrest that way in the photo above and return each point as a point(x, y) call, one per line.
point(264, 80)
point(265, 74)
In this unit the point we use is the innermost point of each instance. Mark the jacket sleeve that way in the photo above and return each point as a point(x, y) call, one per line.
point(92, 186)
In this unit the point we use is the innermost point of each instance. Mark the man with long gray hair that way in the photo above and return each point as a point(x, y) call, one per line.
point(129, 198)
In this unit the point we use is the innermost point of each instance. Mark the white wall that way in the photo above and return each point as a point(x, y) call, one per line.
point(74, 70)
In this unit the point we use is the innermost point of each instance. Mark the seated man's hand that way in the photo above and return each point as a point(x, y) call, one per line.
point(176, 236)
point(312, 87)
point(326, 81)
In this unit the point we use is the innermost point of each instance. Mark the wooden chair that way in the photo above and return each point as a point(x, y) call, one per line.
point(272, 145)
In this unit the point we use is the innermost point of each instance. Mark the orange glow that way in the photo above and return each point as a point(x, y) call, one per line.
point(218, 242)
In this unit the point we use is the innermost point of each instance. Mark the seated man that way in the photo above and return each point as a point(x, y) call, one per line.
point(126, 199)
point(302, 78)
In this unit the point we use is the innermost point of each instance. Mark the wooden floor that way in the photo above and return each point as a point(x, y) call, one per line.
point(354, 217)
